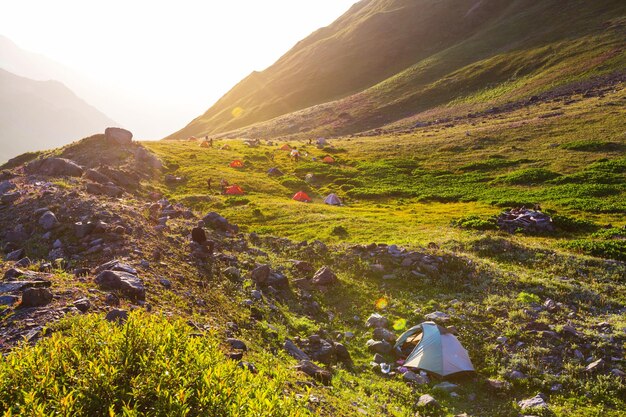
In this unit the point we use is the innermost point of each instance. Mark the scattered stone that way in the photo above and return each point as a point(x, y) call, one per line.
point(446, 386)
point(247, 366)
point(217, 222)
point(54, 167)
point(596, 365)
point(48, 220)
point(414, 378)
point(116, 265)
point(236, 344)
point(427, 401)
point(324, 276)
point(378, 358)
point(198, 235)
point(8, 300)
point(15, 255)
point(379, 346)
point(123, 281)
point(167, 284)
point(260, 274)
point(112, 299)
point(380, 333)
point(502, 339)
point(36, 297)
point(517, 375)
point(314, 371)
point(82, 304)
point(538, 401)
point(117, 316)
point(95, 176)
point(232, 273)
point(570, 330)
point(294, 351)
point(498, 384)
point(376, 320)
point(437, 316)
point(618, 373)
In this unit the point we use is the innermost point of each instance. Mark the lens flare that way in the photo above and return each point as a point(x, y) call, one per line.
point(399, 324)
point(237, 111)
point(381, 303)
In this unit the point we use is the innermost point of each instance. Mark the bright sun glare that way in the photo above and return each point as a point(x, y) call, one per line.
point(155, 64)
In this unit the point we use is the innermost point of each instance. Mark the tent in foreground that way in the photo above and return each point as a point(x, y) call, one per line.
point(302, 196)
point(332, 199)
point(235, 190)
point(438, 351)
point(236, 164)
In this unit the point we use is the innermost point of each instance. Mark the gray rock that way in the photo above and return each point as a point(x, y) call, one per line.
point(129, 284)
point(538, 401)
point(82, 304)
point(323, 352)
point(596, 365)
point(498, 384)
point(8, 198)
point(167, 284)
point(117, 316)
point(376, 320)
point(118, 136)
point(315, 371)
point(437, 316)
point(8, 300)
point(36, 297)
point(380, 333)
point(377, 346)
point(260, 274)
point(54, 167)
point(414, 378)
point(6, 186)
point(618, 373)
point(324, 276)
point(48, 220)
point(517, 375)
point(82, 229)
point(116, 265)
point(95, 176)
point(112, 300)
point(378, 358)
point(15, 255)
point(57, 244)
point(256, 294)
point(236, 344)
point(13, 286)
point(343, 354)
point(294, 351)
point(427, 401)
point(23, 263)
point(232, 273)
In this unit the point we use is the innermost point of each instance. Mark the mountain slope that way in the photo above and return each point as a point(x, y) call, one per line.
point(42, 114)
point(388, 59)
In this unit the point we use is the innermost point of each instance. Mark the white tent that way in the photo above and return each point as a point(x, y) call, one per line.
point(332, 199)
point(322, 142)
point(438, 351)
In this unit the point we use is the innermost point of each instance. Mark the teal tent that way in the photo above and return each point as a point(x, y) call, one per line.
point(438, 351)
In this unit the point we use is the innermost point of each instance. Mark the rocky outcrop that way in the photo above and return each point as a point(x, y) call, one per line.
point(54, 167)
point(118, 136)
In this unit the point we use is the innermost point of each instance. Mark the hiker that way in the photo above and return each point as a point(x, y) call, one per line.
point(310, 141)
point(211, 143)
point(223, 185)
point(208, 183)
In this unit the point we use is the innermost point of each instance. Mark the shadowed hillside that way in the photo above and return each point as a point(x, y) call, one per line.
point(42, 114)
point(386, 60)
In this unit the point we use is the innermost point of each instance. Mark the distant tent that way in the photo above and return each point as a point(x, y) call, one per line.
point(437, 351)
point(236, 164)
point(275, 172)
point(285, 147)
point(322, 142)
point(332, 199)
point(204, 144)
point(235, 190)
point(328, 160)
point(309, 178)
point(301, 196)
point(192, 138)
point(225, 147)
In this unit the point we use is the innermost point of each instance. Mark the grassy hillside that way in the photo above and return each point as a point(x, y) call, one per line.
point(386, 60)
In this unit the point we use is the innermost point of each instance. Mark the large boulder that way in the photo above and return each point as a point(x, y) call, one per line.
point(260, 274)
point(295, 351)
point(48, 220)
point(127, 283)
point(379, 346)
point(217, 222)
point(118, 135)
point(54, 167)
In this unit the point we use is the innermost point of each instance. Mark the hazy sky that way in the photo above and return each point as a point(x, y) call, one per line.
point(168, 61)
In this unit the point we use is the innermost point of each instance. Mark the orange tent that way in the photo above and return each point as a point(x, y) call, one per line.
point(235, 190)
point(328, 160)
point(204, 144)
point(236, 164)
point(285, 147)
point(301, 196)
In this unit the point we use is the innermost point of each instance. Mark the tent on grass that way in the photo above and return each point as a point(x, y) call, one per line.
point(321, 142)
point(236, 164)
point(274, 172)
point(235, 190)
point(204, 144)
point(302, 196)
point(225, 147)
point(285, 147)
point(437, 350)
point(328, 160)
point(332, 199)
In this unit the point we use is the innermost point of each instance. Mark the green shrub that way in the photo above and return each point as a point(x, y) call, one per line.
point(148, 366)
point(488, 164)
point(527, 176)
point(571, 224)
point(528, 298)
point(610, 249)
point(591, 146)
point(475, 222)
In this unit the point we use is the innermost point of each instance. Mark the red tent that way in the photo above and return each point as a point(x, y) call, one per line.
point(236, 164)
point(328, 160)
point(301, 196)
point(235, 190)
